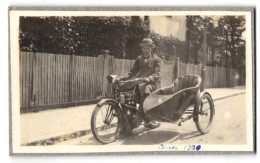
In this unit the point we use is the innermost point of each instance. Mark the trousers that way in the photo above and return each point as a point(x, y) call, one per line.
point(147, 90)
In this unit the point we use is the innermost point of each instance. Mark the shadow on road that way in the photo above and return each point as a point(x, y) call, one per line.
point(158, 136)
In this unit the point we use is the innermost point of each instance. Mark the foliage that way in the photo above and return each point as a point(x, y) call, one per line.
point(196, 26)
point(168, 46)
point(230, 30)
point(193, 37)
point(223, 35)
point(80, 35)
point(122, 35)
point(136, 31)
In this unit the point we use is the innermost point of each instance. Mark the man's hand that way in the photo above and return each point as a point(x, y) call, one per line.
point(124, 78)
point(146, 80)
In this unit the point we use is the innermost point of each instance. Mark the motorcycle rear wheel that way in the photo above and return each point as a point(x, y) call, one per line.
point(106, 122)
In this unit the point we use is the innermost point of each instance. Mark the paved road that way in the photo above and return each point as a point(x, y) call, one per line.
point(228, 128)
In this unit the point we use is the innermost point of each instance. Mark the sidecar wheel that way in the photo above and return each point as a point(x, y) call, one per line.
point(204, 112)
point(106, 122)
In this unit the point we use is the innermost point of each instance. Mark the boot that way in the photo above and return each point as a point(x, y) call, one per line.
point(148, 123)
point(151, 124)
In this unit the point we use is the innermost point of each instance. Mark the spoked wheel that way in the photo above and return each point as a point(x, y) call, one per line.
point(106, 122)
point(204, 113)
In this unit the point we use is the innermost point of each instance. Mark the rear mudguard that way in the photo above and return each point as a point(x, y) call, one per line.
point(197, 103)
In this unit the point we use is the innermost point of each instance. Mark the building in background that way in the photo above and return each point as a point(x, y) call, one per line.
point(169, 26)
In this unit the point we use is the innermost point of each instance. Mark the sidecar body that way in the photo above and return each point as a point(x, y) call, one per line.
point(168, 104)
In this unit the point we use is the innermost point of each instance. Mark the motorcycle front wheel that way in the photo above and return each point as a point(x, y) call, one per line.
point(106, 122)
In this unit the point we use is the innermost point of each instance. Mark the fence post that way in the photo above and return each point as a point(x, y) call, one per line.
point(242, 76)
point(227, 76)
point(203, 73)
point(71, 68)
point(204, 59)
point(177, 67)
point(105, 74)
point(32, 79)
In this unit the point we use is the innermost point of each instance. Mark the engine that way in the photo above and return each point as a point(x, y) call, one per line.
point(130, 97)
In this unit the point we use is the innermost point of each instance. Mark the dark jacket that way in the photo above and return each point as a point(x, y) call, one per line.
point(149, 67)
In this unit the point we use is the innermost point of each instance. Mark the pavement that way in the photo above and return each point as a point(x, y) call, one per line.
point(52, 126)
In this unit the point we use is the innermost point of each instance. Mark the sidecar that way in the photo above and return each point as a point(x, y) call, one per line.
point(169, 104)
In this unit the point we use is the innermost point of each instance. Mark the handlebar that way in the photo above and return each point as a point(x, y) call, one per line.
point(130, 84)
point(132, 81)
point(124, 84)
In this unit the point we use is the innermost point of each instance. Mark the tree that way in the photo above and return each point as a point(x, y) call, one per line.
point(231, 29)
point(224, 34)
point(137, 29)
point(196, 26)
point(193, 37)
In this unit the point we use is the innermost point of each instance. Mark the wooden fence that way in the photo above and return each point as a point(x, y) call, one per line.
point(48, 79)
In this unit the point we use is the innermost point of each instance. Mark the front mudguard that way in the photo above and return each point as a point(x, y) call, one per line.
point(103, 100)
point(197, 104)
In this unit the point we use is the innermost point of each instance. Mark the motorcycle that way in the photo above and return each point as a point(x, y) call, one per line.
point(119, 114)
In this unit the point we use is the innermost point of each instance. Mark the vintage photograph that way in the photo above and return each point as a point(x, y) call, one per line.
point(134, 80)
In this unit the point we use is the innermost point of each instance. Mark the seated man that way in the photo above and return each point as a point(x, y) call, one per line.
point(148, 67)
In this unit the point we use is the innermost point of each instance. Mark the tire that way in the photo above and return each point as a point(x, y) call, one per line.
point(106, 117)
point(204, 113)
